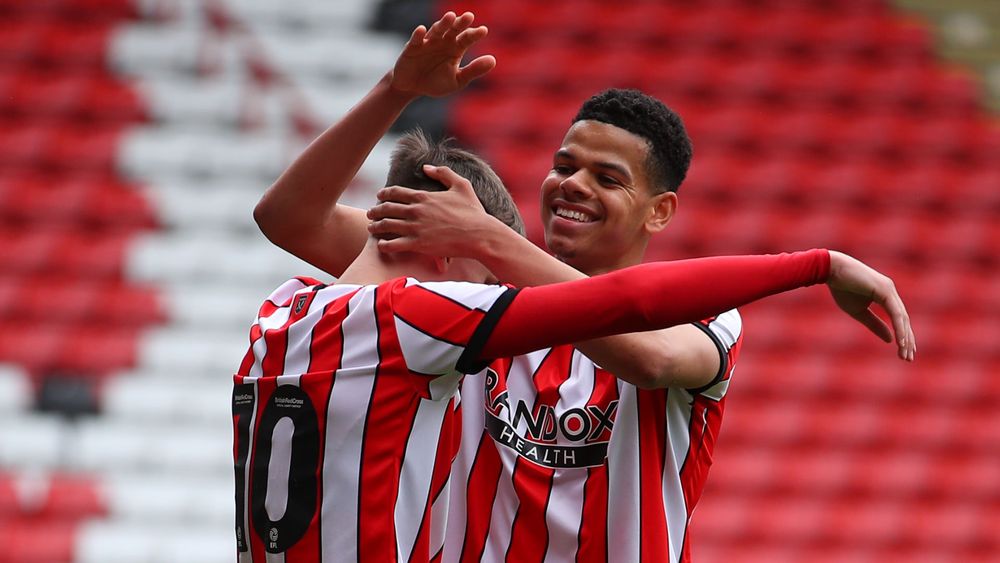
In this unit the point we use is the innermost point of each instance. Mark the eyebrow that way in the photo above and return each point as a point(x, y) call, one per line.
point(563, 153)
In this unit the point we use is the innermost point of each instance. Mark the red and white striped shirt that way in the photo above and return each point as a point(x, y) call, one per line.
point(345, 420)
point(565, 462)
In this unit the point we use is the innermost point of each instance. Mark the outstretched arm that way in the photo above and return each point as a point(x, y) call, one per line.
point(299, 212)
point(661, 294)
point(453, 223)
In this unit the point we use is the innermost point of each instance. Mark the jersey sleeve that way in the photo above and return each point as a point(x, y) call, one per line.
point(647, 297)
point(726, 332)
point(442, 326)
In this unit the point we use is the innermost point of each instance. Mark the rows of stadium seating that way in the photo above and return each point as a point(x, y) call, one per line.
point(137, 137)
point(139, 134)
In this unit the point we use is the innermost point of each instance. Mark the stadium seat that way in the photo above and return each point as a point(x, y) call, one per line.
point(151, 499)
point(203, 353)
point(120, 542)
point(38, 542)
point(165, 401)
point(118, 446)
point(91, 255)
point(74, 45)
point(32, 346)
point(32, 442)
point(71, 497)
point(16, 393)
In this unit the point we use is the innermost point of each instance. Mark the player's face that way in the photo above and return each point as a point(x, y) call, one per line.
point(596, 200)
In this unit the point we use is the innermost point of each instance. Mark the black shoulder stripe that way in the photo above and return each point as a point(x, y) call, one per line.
point(723, 359)
point(468, 362)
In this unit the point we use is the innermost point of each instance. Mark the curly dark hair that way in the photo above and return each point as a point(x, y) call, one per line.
point(643, 115)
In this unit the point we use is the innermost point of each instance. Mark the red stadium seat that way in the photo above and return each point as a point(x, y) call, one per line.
point(32, 346)
point(22, 144)
point(90, 256)
point(43, 541)
point(75, 45)
point(94, 350)
point(84, 149)
point(71, 498)
point(110, 99)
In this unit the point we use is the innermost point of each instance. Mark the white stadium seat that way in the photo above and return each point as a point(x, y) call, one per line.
point(15, 390)
point(130, 542)
point(111, 446)
point(176, 99)
point(217, 306)
point(211, 257)
point(186, 205)
point(154, 499)
point(32, 441)
point(145, 48)
point(308, 15)
point(204, 154)
point(166, 401)
point(344, 57)
point(188, 352)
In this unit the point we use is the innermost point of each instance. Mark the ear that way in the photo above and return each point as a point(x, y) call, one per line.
point(662, 211)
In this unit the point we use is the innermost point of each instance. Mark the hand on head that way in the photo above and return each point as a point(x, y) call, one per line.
point(430, 64)
point(435, 223)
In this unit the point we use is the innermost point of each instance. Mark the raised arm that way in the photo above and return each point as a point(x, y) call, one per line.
point(299, 212)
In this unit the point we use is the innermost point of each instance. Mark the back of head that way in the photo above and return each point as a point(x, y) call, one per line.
point(415, 149)
point(643, 115)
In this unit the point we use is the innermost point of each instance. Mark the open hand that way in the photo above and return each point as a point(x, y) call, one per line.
point(430, 64)
point(856, 287)
point(445, 223)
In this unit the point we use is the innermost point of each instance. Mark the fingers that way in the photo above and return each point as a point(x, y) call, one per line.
point(905, 340)
point(440, 27)
point(469, 37)
point(901, 324)
point(400, 194)
point(447, 176)
point(417, 37)
point(400, 244)
point(391, 210)
point(460, 24)
point(476, 69)
point(395, 227)
point(874, 324)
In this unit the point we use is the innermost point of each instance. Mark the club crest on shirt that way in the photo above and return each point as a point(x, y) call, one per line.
point(300, 303)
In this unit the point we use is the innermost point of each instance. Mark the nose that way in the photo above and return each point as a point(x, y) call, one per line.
point(575, 186)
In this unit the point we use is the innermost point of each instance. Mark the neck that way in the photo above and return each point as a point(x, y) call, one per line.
point(374, 267)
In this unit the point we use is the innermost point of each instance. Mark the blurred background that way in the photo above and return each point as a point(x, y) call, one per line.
point(136, 136)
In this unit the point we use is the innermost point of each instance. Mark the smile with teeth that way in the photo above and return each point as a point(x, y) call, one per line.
point(572, 215)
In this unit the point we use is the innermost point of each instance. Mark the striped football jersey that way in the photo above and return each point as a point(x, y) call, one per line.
point(345, 418)
point(565, 462)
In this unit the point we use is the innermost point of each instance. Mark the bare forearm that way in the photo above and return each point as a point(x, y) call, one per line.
point(681, 356)
point(515, 260)
point(299, 211)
